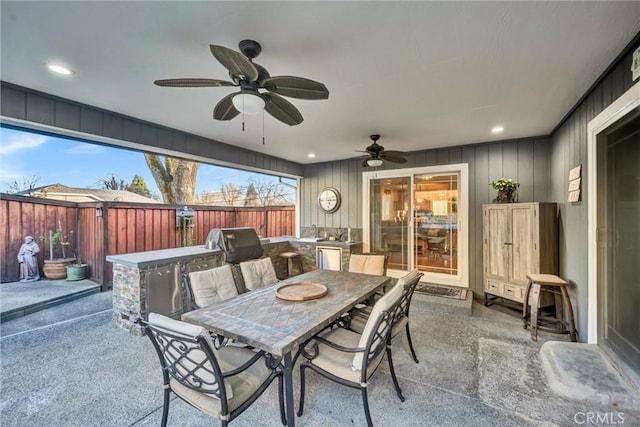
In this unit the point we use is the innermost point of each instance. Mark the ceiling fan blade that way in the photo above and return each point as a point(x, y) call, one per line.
point(235, 62)
point(394, 153)
point(192, 83)
point(263, 74)
point(394, 159)
point(296, 87)
point(281, 109)
point(225, 110)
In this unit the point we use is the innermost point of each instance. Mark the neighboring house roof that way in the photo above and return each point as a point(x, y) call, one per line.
point(73, 194)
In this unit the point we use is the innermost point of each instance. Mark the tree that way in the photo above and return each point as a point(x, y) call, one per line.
point(113, 183)
point(251, 196)
point(231, 194)
point(138, 186)
point(26, 183)
point(176, 178)
point(268, 193)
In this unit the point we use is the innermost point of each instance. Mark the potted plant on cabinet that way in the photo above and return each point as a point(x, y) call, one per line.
point(76, 270)
point(507, 190)
point(56, 268)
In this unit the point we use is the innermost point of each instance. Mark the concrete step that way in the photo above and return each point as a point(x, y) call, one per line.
point(18, 299)
point(583, 372)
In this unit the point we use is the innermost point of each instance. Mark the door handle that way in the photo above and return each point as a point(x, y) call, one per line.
point(507, 243)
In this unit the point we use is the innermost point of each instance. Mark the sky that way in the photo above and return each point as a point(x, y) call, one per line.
point(54, 160)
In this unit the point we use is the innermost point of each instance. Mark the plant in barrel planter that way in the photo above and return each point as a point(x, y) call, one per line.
point(76, 270)
point(56, 268)
point(507, 190)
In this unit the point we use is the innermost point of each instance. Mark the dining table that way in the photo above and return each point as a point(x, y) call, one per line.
point(261, 319)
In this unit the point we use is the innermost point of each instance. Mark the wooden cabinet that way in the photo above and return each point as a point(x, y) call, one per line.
point(518, 239)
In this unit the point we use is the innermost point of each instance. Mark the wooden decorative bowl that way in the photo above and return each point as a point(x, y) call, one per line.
point(301, 291)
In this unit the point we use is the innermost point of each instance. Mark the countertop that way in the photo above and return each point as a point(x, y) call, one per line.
point(168, 256)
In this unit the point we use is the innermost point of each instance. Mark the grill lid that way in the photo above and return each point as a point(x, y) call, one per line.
point(237, 244)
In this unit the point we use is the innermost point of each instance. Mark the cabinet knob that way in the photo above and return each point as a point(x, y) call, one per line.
point(507, 243)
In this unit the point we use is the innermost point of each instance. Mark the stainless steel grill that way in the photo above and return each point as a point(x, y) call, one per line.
point(236, 244)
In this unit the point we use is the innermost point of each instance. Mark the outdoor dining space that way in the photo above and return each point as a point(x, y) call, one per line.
point(82, 370)
point(318, 348)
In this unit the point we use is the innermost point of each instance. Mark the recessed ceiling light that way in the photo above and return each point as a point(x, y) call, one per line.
point(497, 129)
point(311, 155)
point(59, 69)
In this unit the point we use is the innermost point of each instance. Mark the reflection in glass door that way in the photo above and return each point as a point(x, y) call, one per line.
point(418, 217)
point(436, 224)
point(389, 233)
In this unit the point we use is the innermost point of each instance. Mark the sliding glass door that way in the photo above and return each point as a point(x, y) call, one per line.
point(436, 223)
point(418, 217)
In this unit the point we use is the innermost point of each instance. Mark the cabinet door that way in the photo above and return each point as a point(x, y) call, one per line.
point(329, 258)
point(496, 234)
point(524, 243)
point(164, 292)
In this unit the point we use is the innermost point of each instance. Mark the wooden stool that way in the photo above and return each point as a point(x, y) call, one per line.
point(557, 286)
point(292, 257)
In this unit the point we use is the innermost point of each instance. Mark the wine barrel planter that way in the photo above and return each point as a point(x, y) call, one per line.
point(76, 272)
point(56, 269)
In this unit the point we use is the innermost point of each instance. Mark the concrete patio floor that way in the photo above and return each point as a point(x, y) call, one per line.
point(69, 365)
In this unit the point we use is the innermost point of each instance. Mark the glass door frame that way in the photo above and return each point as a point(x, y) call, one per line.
point(461, 279)
point(614, 112)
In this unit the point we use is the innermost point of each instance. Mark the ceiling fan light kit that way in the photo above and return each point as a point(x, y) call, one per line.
point(248, 103)
point(378, 155)
point(250, 77)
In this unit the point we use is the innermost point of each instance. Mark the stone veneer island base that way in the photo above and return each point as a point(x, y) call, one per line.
point(151, 281)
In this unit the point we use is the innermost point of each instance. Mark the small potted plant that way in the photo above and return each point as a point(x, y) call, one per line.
point(76, 270)
point(55, 268)
point(507, 190)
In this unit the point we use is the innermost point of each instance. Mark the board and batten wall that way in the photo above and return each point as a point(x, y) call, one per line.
point(526, 160)
point(66, 118)
point(569, 149)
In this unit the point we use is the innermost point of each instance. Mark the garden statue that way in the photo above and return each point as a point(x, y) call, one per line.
point(27, 257)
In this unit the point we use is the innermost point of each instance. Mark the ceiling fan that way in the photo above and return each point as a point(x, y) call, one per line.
point(251, 78)
point(377, 154)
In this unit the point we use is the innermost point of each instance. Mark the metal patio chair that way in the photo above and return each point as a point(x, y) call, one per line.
point(359, 316)
point(221, 383)
point(349, 358)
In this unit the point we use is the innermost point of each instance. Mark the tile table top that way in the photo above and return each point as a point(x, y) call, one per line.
point(260, 319)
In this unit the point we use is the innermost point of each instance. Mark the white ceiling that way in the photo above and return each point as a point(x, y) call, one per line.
point(422, 74)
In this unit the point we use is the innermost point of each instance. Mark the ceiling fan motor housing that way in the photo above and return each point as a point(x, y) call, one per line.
point(250, 48)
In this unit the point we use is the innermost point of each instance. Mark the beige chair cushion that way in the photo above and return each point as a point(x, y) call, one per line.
point(258, 273)
point(212, 286)
point(368, 264)
point(243, 384)
point(383, 304)
point(338, 362)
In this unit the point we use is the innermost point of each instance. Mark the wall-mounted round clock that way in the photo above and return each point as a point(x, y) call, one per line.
point(329, 200)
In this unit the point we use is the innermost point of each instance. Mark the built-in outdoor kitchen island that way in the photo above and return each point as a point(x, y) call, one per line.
point(145, 282)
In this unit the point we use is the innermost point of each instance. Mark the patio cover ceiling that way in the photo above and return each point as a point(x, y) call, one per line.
point(422, 74)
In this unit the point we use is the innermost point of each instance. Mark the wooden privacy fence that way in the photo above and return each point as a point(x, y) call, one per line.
point(97, 229)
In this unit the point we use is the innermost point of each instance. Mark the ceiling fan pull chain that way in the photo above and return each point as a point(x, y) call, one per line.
point(262, 127)
point(242, 94)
